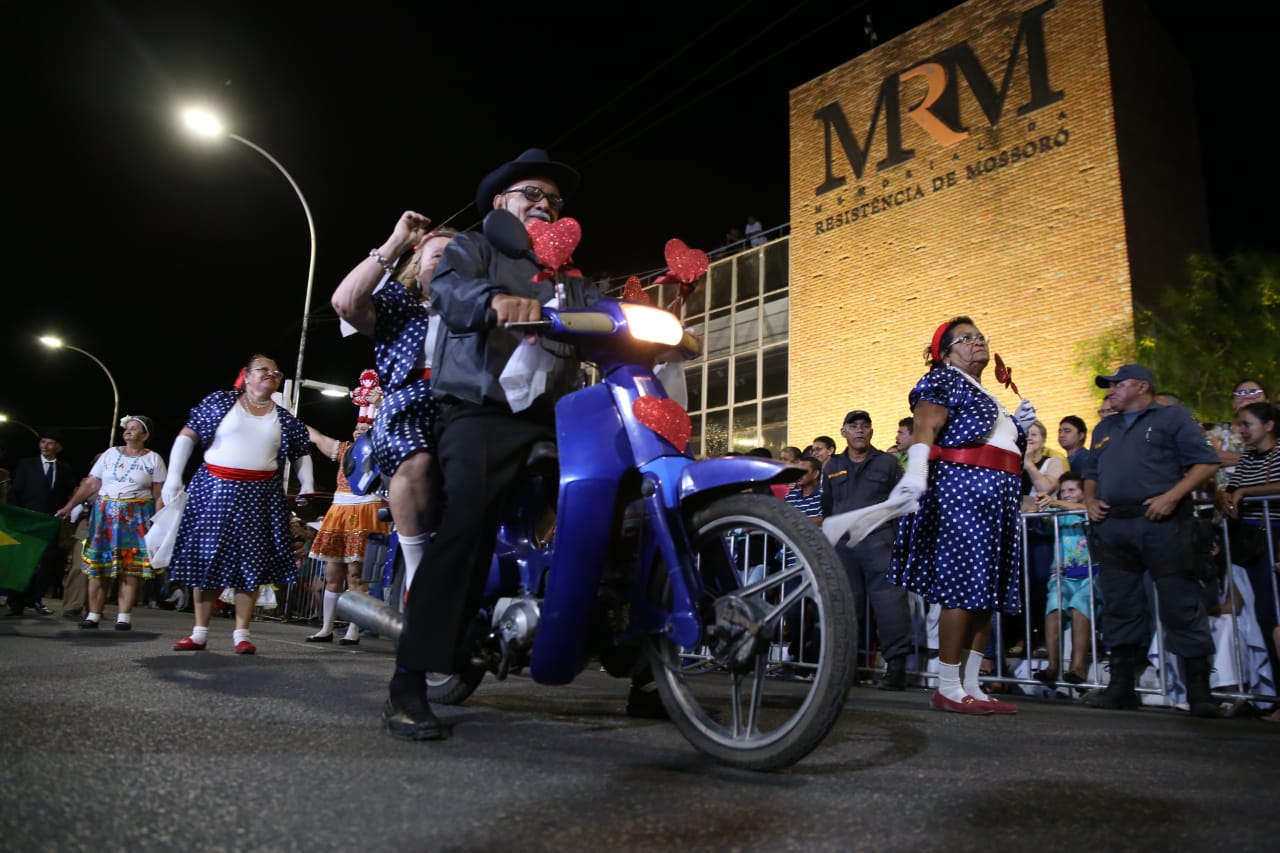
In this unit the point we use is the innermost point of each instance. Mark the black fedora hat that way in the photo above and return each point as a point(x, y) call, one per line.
point(533, 163)
point(53, 435)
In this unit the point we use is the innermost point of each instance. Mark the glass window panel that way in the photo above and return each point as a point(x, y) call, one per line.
point(745, 434)
point(717, 384)
point(696, 302)
point(774, 437)
point(695, 437)
point(748, 264)
point(721, 285)
point(744, 378)
point(746, 327)
point(693, 382)
point(777, 314)
point(773, 421)
point(715, 441)
point(775, 372)
point(777, 265)
point(716, 342)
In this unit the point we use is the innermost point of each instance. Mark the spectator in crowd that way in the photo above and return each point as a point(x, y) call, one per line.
point(1256, 475)
point(127, 482)
point(1073, 588)
point(1041, 470)
point(1223, 436)
point(42, 484)
point(1072, 434)
point(861, 477)
point(903, 439)
point(754, 232)
point(963, 547)
point(1143, 464)
point(235, 529)
point(790, 455)
point(806, 497)
point(734, 239)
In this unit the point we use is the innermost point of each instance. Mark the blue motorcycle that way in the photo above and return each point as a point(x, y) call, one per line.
point(621, 548)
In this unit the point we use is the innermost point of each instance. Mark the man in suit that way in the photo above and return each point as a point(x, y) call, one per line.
point(42, 484)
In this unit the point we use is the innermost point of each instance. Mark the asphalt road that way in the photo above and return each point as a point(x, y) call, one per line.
point(111, 741)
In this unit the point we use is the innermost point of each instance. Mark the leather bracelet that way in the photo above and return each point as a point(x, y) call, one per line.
point(383, 262)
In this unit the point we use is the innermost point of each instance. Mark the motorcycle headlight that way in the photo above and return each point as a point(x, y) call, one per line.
point(653, 324)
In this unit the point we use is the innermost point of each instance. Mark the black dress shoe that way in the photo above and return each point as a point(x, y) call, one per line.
point(645, 704)
point(39, 608)
point(343, 641)
point(124, 626)
point(411, 721)
point(317, 638)
point(89, 625)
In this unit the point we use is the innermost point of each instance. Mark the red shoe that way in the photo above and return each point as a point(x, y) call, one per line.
point(186, 644)
point(968, 705)
point(244, 647)
point(998, 707)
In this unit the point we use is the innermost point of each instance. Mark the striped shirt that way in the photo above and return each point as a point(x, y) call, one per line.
point(1255, 469)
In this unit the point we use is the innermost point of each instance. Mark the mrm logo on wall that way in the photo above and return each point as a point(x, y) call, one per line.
point(939, 115)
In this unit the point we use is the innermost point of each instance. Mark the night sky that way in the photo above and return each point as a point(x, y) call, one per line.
point(172, 259)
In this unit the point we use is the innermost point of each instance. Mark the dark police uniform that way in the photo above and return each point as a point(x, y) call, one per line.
point(1134, 457)
point(853, 485)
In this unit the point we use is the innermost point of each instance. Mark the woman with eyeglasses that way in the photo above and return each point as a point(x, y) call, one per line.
point(234, 531)
point(1257, 475)
point(962, 549)
point(1225, 437)
point(126, 481)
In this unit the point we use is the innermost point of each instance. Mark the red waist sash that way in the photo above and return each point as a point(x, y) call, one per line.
point(238, 473)
point(984, 456)
point(425, 373)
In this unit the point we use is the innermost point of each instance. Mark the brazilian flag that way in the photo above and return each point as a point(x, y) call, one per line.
point(23, 537)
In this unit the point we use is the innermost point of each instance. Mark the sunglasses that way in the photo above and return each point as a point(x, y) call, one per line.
point(535, 195)
point(1247, 392)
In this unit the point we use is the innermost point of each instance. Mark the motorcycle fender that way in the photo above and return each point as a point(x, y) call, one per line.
point(727, 474)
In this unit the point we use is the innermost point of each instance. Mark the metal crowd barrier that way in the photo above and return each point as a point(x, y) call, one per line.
point(1023, 673)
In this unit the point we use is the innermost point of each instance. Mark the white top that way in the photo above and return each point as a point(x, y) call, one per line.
point(1005, 433)
point(124, 477)
point(246, 442)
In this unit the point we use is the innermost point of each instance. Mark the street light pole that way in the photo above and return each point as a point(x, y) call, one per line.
point(58, 343)
point(206, 124)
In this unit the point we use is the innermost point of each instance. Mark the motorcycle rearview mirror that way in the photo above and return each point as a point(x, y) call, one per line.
point(508, 234)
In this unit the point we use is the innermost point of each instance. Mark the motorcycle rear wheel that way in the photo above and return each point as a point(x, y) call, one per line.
point(768, 697)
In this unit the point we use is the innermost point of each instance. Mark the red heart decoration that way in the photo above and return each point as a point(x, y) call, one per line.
point(554, 242)
point(634, 291)
point(686, 264)
point(666, 417)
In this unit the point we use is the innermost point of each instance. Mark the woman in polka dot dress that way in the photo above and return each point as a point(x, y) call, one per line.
point(235, 527)
point(962, 549)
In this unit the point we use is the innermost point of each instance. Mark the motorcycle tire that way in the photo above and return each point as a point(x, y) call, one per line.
point(772, 671)
point(453, 689)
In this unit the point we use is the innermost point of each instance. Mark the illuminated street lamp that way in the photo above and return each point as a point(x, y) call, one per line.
point(5, 419)
point(57, 343)
point(205, 123)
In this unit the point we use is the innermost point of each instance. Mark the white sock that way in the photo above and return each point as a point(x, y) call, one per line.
point(200, 635)
point(971, 671)
point(949, 681)
point(412, 548)
point(93, 617)
point(330, 606)
point(240, 635)
point(353, 631)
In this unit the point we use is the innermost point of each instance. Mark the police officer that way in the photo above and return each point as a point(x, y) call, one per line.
point(860, 477)
point(1142, 467)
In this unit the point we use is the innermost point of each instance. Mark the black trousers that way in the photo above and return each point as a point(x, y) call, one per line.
point(480, 450)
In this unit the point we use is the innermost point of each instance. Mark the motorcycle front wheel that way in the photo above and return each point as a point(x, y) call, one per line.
point(772, 671)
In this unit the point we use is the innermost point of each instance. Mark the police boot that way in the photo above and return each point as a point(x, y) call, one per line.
point(1198, 693)
point(1119, 694)
point(895, 674)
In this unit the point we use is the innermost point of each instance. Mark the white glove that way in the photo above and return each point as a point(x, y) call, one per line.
point(178, 458)
point(915, 481)
point(306, 476)
point(1025, 414)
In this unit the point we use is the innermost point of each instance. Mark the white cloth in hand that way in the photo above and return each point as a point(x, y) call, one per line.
point(915, 480)
point(525, 375)
point(859, 523)
point(1025, 414)
point(306, 476)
